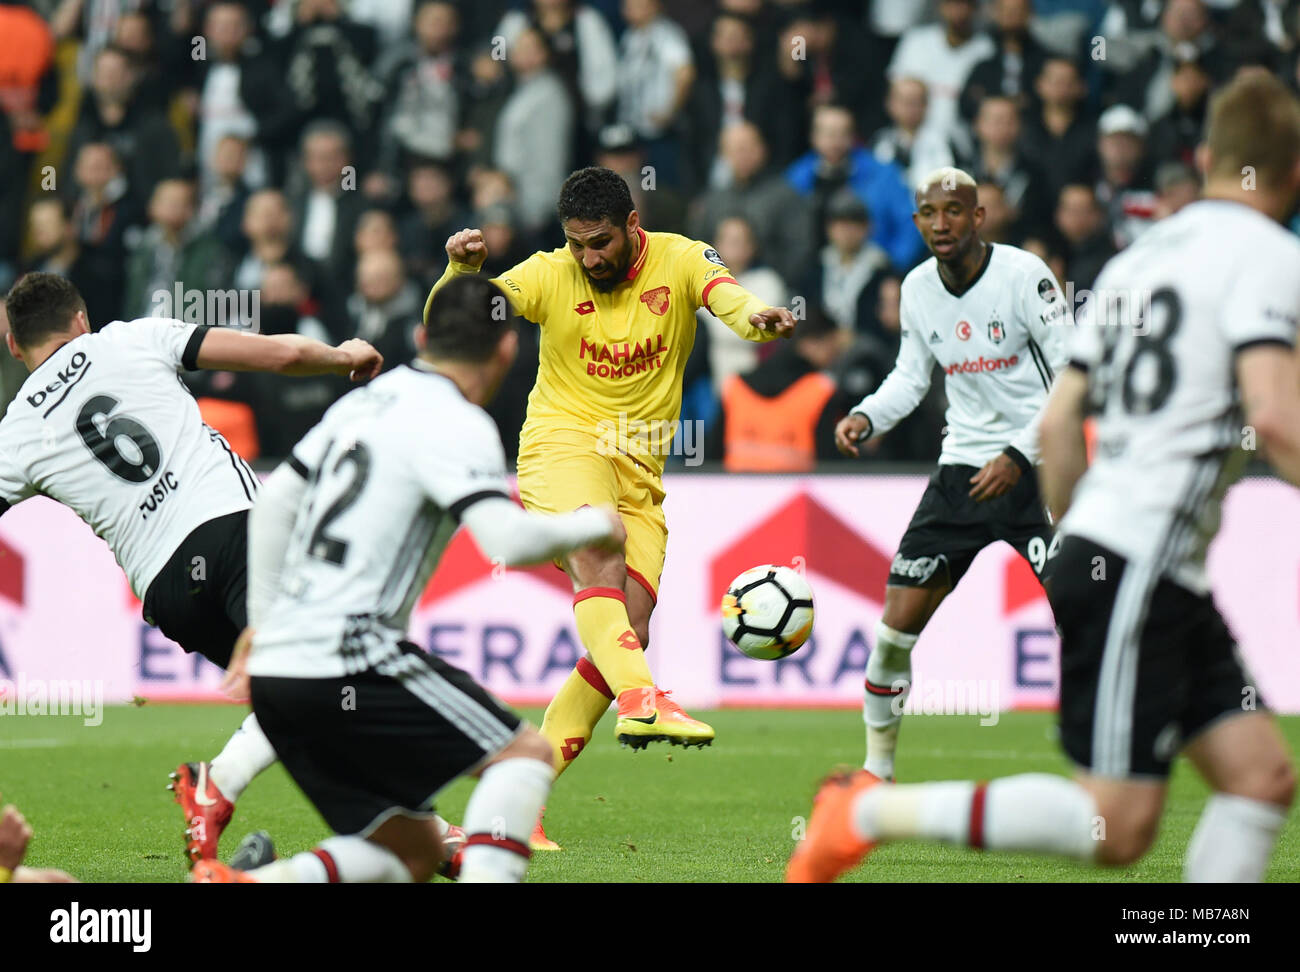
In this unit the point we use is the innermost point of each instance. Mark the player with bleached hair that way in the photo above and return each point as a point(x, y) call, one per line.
point(1148, 666)
point(993, 318)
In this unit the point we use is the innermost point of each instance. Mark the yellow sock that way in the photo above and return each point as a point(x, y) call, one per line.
point(572, 715)
point(606, 633)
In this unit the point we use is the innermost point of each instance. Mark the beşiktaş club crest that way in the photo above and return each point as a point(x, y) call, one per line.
point(997, 330)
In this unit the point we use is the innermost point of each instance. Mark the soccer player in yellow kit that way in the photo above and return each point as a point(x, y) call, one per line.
point(617, 313)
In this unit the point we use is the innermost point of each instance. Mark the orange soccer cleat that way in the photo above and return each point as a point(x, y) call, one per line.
point(831, 846)
point(206, 810)
point(647, 715)
point(214, 872)
point(538, 840)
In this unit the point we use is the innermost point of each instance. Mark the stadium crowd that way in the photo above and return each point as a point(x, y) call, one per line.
point(313, 156)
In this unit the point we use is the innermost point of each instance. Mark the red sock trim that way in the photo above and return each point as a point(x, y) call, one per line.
point(883, 689)
point(613, 592)
point(640, 578)
point(977, 816)
point(504, 843)
point(591, 674)
point(331, 869)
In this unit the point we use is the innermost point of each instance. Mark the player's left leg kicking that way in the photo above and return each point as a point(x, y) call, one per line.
point(418, 723)
point(1147, 668)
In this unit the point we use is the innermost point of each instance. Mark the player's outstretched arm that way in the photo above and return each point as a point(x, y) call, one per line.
point(286, 354)
point(1269, 380)
point(1061, 441)
point(510, 535)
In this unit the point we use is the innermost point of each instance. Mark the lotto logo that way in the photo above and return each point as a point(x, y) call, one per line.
point(629, 640)
point(572, 747)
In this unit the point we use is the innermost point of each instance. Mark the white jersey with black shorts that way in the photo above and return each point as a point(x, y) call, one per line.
point(106, 427)
point(365, 722)
point(1146, 660)
point(1000, 343)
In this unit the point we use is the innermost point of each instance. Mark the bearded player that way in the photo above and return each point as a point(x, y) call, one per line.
point(617, 311)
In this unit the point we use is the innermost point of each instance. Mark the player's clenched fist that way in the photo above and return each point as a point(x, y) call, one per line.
point(14, 835)
point(467, 247)
point(849, 432)
point(363, 360)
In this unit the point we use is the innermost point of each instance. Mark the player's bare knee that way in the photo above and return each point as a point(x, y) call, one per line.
point(1126, 840)
point(594, 567)
point(1271, 781)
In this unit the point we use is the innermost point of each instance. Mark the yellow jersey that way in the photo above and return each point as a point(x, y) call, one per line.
point(611, 364)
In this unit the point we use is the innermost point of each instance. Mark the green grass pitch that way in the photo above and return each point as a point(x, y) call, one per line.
point(95, 797)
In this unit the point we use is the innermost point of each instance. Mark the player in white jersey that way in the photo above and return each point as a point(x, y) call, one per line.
point(343, 539)
point(1199, 341)
point(105, 426)
point(993, 318)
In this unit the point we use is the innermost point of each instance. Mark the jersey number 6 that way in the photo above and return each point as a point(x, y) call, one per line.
point(121, 444)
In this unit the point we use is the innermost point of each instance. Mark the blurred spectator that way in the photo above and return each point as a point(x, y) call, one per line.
point(534, 132)
point(836, 161)
point(780, 221)
point(505, 244)
point(375, 231)
point(820, 57)
point(847, 276)
point(1016, 62)
point(241, 93)
point(29, 87)
point(56, 248)
point(434, 216)
point(424, 88)
point(1059, 136)
point(1186, 33)
point(325, 212)
point(94, 22)
point(943, 56)
point(154, 82)
point(662, 208)
point(268, 225)
point(1125, 184)
point(1082, 223)
point(906, 142)
point(172, 253)
point(483, 96)
point(102, 210)
point(726, 352)
point(221, 207)
point(655, 71)
point(780, 417)
point(1175, 135)
point(389, 19)
point(1176, 185)
point(386, 307)
point(140, 134)
point(1048, 248)
point(999, 159)
point(583, 53)
point(488, 187)
point(1262, 32)
point(734, 87)
point(327, 68)
point(999, 217)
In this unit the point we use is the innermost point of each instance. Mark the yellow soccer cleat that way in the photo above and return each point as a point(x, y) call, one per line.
point(647, 715)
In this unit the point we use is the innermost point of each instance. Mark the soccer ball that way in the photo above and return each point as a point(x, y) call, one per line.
point(767, 612)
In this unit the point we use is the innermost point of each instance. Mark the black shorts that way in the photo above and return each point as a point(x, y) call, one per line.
point(198, 598)
point(949, 528)
point(1146, 664)
point(384, 740)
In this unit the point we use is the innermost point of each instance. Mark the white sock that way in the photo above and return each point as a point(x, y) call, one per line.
point(246, 754)
point(889, 664)
point(346, 860)
point(499, 819)
point(1233, 840)
point(1033, 812)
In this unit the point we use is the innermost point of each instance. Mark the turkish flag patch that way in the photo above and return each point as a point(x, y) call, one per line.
point(656, 300)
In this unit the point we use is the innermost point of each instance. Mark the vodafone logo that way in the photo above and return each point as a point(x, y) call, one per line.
point(963, 332)
point(982, 364)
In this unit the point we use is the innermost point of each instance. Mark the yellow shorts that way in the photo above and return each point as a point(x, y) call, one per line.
point(567, 471)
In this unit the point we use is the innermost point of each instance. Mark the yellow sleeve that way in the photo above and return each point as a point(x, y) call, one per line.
point(713, 287)
point(523, 283)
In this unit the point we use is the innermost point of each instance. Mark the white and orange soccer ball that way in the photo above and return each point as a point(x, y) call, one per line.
point(767, 612)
